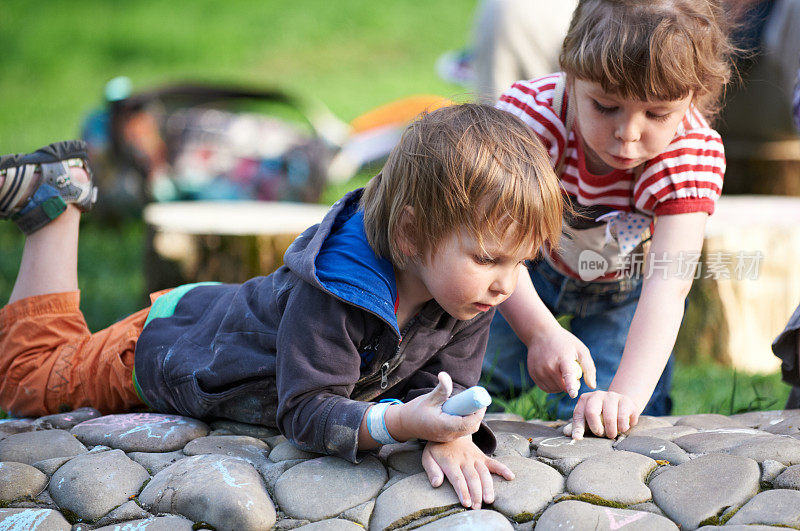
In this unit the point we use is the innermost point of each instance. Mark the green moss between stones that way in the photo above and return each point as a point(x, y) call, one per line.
point(711, 520)
point(433, 511)
point(523, 518)
point(727, 516)
point(69, 516)
point(202, 525)
point(594, 499)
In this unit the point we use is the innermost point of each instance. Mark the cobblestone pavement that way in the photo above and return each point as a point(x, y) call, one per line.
point(153, 472)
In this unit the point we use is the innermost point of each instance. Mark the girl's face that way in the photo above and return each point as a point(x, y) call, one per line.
point(619, 133)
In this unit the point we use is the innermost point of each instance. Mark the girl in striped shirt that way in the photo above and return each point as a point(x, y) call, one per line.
point(627, 128)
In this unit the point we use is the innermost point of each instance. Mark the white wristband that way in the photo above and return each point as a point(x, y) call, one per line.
point(376, 424)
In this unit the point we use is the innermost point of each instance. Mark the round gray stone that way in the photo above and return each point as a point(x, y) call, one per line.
point(503, 416)
point(409, 499)
point(561, 447)
point(533, 487)
point(737, 527)
point(252, 450)
point(140, 432)
point(708, 442)
point(564, 465)
point(286, 451)
point(482, 519)
point(658, 449)
point(761, 419)
point(49, 466)
point(91, 485)
point(615, 476)
point(724, 481)
point(65, 421)
point(772, 507)
point(324, 487)
point(360, 514)
point(408, 462)
point(226, 492)
point(788, 426)
point(527, 430)
point(12, 426)
point(126, 512)
point(788, 479)
point(573, 514)
point(669, 433)
point(646, 422)
point(32, 519)
point(770, 470)
point(709, 421)
point(155, 462)
point(157, 523)
point(18, 480)
point(512, 444)
point(33, 446)
point(240, 428)
point(333, 524)
point(778, 448)
point(271, 474)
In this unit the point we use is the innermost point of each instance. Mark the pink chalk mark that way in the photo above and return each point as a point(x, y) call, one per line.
point(618, 520)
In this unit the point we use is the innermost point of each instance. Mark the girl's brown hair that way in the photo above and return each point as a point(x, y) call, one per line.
point(652, 50)
point(469, 167)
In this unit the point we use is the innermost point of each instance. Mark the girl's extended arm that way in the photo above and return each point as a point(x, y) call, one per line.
point(551, 348)
point(652, 334)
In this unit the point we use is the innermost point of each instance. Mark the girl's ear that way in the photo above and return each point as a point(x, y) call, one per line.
point(404, 235)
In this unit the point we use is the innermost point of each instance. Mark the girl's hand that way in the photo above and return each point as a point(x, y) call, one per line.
point(556, 359)
point(466, 467)
point(422, 418)
point(605, 412)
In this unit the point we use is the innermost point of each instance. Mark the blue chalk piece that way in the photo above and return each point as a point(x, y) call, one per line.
point(467, 402)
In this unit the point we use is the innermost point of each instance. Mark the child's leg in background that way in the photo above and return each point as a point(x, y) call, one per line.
point(49, 361)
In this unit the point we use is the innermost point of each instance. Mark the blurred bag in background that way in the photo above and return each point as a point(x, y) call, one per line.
point(203, 142)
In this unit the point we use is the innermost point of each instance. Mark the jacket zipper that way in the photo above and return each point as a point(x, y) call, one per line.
point(388, 366)
point(384, 376)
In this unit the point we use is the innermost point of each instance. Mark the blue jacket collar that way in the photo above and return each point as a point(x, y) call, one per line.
point(349, 268)
point(335, 256)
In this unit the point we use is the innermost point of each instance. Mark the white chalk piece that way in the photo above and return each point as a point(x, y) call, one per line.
point(467, 402)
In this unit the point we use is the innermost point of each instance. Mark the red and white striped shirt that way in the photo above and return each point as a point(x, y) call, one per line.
point(686, 177)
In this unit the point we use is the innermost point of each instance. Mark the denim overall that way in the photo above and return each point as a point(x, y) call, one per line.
point(601, 317)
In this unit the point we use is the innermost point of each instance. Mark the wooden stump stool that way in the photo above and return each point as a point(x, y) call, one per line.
point(223, 241)
point(748, 284)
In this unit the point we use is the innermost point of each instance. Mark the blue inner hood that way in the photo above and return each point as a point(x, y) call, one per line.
point(347, 266)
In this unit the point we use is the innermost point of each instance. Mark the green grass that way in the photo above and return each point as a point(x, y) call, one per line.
point(697, 388)
point(352, 55)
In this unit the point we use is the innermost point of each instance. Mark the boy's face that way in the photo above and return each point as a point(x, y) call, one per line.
point(620, 133)
point(466, 279)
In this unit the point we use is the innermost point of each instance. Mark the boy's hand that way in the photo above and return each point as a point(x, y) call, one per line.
point(467, 469)
point(605, 412)
point(556, 359)
point(422, 418)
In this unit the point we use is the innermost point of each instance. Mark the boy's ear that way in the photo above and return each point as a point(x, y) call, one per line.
point(404, 235)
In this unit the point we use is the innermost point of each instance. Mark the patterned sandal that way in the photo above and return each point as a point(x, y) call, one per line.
point(37, 187)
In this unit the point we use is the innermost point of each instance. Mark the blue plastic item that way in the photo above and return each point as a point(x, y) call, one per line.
point(467, 402)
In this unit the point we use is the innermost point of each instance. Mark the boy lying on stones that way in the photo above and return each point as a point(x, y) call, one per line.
point(389, 297)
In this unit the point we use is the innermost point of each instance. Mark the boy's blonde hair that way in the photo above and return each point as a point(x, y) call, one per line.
point(464, 166)
point(654, 50)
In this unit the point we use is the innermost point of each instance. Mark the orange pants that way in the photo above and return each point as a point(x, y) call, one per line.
point(50, 362)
